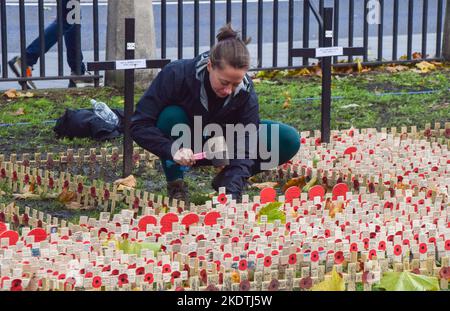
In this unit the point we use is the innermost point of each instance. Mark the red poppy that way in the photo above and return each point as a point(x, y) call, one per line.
point(61, 276)
point(166, 268)
point(415, 271)
point(140, 271)
point(327, 233)
point(221, 278)
point(292, 259)
point(267, 261)
point(89, 275)
point(244, 286)
point(368, 277)
point(80, 188)
point(382, 246)
point(222, 198)
point(314, 256)
point(243, 265)
point(69, 282)
point(106, 194)
point(423, 248)
point(212, 288)
point(306, 283)
point(204, 276)
point(447, 245)
point(123, 279)
point(354, 247)
point(356, 185)
point(274, 285)
point(444, 273)
point(339, 257)
point(366, 243)
point(405, 242)
point(372, 253)
point(16, 285)
point(149, 278)
point(397, 250)
point(96, 282)
point(179, 289)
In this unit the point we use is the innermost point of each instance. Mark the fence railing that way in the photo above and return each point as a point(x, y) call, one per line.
point(61, 28)
point(390, 31)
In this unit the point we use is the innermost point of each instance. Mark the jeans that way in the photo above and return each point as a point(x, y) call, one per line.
point(51, 37)
point(289, 141)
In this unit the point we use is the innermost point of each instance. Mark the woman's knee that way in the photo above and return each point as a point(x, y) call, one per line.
point(288, 143)
point(169, 117)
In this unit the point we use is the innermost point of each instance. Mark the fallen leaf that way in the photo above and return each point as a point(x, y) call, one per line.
point(396, 68)
point(286, 105)
point(12, 93)
point(256, 81)
point(19, 112)
point(27, 196)
point(299, 182)
point(360, 67)
point(268, 184)
point(425, 66)
point(78, 206)
point(123, 183)
point(417, 55)
point(67, 196)
point(26, 95)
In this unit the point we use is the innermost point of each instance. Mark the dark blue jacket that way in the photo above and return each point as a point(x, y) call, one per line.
point(181, 83)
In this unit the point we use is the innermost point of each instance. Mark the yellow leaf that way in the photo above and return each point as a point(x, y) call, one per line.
point(265, 185)
point(12, 93)
point(26, 95)
point(299, 182)
point(286, 105)
point(129, 182)
point(425, 67)
point(333, 284)
point(360, 67)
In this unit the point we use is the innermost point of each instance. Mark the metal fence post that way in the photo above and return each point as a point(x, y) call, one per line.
point(446, 45)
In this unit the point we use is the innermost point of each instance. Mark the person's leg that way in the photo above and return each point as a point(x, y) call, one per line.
point(51, 37)
point(287, 146)
point(70, 40)
point(168, 118)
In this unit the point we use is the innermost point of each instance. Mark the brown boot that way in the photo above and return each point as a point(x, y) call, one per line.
point(178, 190)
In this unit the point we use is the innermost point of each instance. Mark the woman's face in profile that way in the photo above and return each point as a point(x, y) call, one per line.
point(225, 81)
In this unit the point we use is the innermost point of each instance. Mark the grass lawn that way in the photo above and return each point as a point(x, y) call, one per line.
point(362, 101)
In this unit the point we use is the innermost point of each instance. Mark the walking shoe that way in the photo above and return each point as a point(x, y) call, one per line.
point(16, 66)
point(80, 82)
point(178, 190)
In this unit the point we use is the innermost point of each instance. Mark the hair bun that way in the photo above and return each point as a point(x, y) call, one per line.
point(227, 32)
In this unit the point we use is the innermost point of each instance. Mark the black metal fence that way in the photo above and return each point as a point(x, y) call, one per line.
point(404, 30)
point(8, 7)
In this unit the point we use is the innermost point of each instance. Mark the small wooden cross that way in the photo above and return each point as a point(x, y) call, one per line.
point(326, 52)
point(129, 65)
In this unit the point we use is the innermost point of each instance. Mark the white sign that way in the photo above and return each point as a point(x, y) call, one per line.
point(131, 64)
point(331, 51)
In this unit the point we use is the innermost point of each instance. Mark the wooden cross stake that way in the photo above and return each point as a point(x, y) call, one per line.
point(326, 52)
point(129, 65)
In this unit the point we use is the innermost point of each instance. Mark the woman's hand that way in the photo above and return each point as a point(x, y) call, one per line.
point(184, 157)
